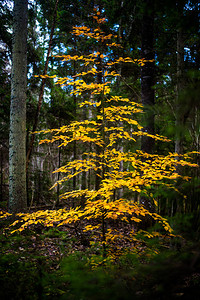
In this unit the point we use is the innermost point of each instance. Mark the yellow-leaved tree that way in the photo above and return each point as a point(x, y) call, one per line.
point(106, 215)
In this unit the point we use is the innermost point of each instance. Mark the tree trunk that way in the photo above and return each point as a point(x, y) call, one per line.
point(147, 90)
point(179, 109)
point(98, 174)
point(75, 118)
point(17, 134)
point(180, 85)
point(148, 74)
point(1, 163)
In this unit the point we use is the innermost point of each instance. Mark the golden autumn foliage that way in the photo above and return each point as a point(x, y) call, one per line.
point(115, 123)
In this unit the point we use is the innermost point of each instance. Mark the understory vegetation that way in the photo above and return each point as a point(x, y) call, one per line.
point(56, 264)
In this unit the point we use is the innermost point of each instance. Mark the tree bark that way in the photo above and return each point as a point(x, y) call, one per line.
point(17, 134)
point(147, 90)
point(180, 86)
point(98, 174)
point(1, 164)
point(148, 74)
point(179, 109)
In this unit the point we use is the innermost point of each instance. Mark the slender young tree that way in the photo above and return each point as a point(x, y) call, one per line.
point(143, 171)
point(17, 134)
point(103, 216)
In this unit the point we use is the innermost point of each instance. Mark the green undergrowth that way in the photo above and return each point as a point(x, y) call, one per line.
point(52, 264)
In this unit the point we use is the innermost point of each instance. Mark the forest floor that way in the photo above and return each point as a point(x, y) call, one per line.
point(59, 263)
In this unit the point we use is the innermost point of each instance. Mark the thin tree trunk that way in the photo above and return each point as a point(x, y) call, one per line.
point(75, 117)
point(148, 75)
point(98, 174)
point(58, 178)
point(180, 85)
point(17, 134)
point(30, 148)
point(83, 174)
point(1, 189)
point(179, 109)
point(147, 90)
point(57, 201)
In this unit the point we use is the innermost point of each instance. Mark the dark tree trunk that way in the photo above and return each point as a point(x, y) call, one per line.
point(75, 118)
point(148, 74)
point(179, 107)
point(98, 175)
point(180, 83)
point(147, 90)
point(1, 163)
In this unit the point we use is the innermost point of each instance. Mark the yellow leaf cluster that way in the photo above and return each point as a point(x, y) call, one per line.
point(115, 123)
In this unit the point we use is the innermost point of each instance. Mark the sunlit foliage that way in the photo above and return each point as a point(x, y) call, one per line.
point(114, 122)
